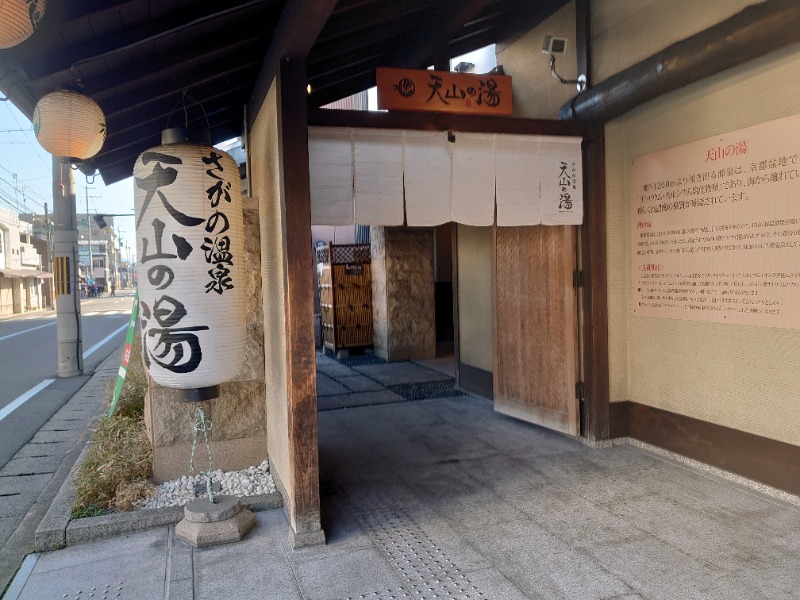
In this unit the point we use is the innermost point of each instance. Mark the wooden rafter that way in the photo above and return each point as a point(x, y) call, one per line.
point(297, 30)
point(436, 34)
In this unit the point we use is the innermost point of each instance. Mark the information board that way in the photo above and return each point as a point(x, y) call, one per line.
point(715, 228)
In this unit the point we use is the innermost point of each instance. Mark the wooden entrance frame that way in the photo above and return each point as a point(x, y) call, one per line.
point(594, 406)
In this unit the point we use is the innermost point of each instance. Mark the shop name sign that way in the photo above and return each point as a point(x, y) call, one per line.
point(442, 91)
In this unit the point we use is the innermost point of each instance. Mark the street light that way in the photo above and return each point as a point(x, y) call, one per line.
point(101, 221)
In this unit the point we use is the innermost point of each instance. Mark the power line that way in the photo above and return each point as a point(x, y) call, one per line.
point(33, 147)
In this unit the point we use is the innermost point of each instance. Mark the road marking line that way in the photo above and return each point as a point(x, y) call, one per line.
point(19, 401)
point(97, 346)
point(11, 335)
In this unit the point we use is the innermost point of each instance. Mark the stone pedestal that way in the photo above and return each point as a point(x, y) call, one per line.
point(207, 524)
point(239, 433)
point(404, 320)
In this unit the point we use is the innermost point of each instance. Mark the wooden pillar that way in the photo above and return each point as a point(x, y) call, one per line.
point(304, 512)
point(595, 295)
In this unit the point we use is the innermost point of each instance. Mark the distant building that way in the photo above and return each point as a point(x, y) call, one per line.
point(21, 267)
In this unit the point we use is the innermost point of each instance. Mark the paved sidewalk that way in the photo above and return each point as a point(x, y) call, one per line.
point(443, 498)
point(31, 479)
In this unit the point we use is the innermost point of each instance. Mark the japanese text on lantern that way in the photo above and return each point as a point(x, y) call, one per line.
point(217, 249)
point(176, 348)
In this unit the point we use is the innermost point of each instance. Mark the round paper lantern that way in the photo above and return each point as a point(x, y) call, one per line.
point(70, 125)
point(188, 204)
point(18, 20)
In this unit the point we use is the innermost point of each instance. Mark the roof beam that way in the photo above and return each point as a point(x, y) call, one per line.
point(435, 36)
point(298, 28)
point(197, 15)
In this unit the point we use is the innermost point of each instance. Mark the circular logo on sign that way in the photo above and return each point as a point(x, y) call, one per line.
point(405, 87)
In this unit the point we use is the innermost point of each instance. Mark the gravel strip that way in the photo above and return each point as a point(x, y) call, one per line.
point(252, 481)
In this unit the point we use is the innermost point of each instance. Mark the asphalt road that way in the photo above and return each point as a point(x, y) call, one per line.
point(30, 389)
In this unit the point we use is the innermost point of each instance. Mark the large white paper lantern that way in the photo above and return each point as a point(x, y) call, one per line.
point(69, 125)
point(191, 288)
point(18, 20)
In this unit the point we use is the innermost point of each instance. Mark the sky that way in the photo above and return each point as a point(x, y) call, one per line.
point(23, 157)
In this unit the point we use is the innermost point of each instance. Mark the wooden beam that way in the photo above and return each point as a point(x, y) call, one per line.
point(299, 302)
point(428, 40)
point(205, 14)
point(298, 28)
point(595, 296)
point(583, 37)
point(456, 309)
point(429, 121)
point(771, 462)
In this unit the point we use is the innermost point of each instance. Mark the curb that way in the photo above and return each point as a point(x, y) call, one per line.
point(57, 530)
point(90, 529)
point(49, 535)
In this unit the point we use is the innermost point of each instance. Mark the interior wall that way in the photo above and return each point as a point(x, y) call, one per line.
point(743, 377)
point(475, 296)
point(625, 32)
point(537, 95)
point(266, 169)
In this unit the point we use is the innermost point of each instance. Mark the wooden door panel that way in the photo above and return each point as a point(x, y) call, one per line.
point(535, 325)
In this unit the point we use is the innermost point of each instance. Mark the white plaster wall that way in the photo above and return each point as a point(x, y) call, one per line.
point(475, 296)
point(266, 175)
point(743, 377)
point(537, 95)
point(625, 32)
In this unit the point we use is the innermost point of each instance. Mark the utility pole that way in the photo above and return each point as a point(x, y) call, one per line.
point(66, 280)
point(49, 238)
point(89, 233)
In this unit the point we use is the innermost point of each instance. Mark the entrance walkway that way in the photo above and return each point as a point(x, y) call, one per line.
point(442, 498)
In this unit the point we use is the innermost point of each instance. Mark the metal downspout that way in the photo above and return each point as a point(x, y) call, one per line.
point(753, 32)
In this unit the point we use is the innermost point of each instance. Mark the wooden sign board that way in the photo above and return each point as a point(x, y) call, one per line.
point(442, 91)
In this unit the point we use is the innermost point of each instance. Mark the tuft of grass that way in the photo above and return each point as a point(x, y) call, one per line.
point(119, 454)
point(120, 458)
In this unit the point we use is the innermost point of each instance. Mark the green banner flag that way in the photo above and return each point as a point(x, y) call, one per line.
point(126, 353)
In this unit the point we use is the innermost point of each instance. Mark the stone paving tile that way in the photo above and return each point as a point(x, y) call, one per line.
point(253, 569)
point(334, 369)
point(703, 535)
point(659, 571)
point(65, 424)
point(28, 484)
point(43, 437)
point(126, 567)
point(400, 373)
point(32, 466)
point(16, 505)
point(329, 387)
point(42, 450)
point(356, 400)
point(360, 383)
point(8, 525)
point(362, 571)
